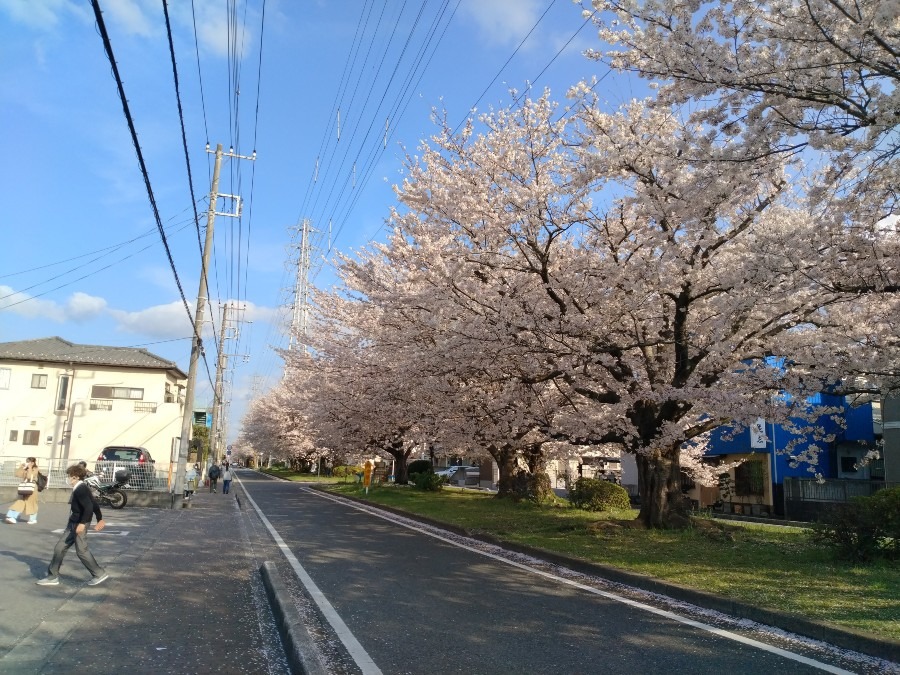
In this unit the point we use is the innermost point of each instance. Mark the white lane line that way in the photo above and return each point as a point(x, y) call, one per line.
point(94, 533)
point(356, 650)
point(606, 594)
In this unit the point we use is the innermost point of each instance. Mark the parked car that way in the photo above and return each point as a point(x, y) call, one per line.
point(137, 460)
point(454, 474)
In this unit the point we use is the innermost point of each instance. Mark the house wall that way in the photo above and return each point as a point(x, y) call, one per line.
point(77, 431)
point(891, 449)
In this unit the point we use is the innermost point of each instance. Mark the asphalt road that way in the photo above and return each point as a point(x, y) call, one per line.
point(414, 603)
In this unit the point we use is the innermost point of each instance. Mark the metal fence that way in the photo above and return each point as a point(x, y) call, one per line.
point(809, 499)
point(156, 476)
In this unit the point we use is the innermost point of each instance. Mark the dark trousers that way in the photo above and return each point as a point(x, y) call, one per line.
point(212, 484)
point(81, 550)
point(226, 485)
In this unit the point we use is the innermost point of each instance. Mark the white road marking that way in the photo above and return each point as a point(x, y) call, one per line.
point(118, 533)
point(356, 650)
point(606, 594)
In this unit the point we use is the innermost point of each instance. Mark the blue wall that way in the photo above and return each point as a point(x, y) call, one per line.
point(858, 428)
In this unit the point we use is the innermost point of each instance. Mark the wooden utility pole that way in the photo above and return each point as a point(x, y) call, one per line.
point(187, 419)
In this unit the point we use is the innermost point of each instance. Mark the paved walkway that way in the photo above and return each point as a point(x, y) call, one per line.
point(183, 597)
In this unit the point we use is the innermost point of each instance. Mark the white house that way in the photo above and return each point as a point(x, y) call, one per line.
point(64, 402)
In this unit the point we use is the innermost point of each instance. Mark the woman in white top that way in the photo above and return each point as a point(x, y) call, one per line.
point(227, 475)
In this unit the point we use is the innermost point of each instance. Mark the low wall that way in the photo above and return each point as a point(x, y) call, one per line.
point(9, 494)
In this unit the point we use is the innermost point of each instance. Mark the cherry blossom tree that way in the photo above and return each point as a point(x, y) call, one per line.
point(652, 314)
point(818, 76)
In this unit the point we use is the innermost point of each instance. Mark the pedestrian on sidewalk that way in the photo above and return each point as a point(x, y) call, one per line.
point(27, 503)
point(190, 481)
point(83, 508)
point(227, 476)
point(213, 475)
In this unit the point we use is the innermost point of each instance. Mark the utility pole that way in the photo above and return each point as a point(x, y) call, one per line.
point(221, 365)
point(187, 419)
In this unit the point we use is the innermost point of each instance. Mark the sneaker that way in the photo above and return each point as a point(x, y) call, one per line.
point(32, 522)
point(11, 521)
point(98, 580)
point(48, 581)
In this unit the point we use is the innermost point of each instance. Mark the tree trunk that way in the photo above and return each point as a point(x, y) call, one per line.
point(659, 485)
point(539, 482)
point(506, 462)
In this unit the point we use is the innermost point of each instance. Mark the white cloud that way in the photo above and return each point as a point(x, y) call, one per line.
point(83, 307)
point(502, 22)
point(45, 14)
point(212, 24)
point(80, 307)
point(128, 14)
point(160, 321)
point(28, 306)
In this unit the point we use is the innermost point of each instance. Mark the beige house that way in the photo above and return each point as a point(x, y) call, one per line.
point(62, 402)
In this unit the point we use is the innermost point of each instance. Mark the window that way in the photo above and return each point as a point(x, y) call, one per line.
point(100, 391)
point(145, 406)
point(749, 479)
point(4, 377)
point(31, 437)
point(62, 393)
point(14, 435)
point(101, 404)
point(38, 381)
point(848, 465)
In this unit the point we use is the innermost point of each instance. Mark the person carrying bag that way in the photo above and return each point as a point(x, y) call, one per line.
point(27, 503)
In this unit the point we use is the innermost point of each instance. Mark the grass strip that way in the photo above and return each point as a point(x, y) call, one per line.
point(763, 565)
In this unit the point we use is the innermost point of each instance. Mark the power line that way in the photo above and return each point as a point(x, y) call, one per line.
point(75, 269)
point(199, 73)
point(187, 159)
point(101, 26)
point(110, 248)
point(503, 67)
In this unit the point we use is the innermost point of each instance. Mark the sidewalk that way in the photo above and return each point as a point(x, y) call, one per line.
point(186, 598)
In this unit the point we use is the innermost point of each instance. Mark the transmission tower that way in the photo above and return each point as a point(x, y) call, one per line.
point(300, 316)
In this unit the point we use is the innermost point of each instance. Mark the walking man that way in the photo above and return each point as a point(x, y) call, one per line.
point(213, 475)
point(82, 510)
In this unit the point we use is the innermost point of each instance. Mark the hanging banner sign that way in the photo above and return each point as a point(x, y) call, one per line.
point(758, 437)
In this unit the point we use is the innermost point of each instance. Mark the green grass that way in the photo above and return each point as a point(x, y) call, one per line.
point(305, 477)
point(766, 566)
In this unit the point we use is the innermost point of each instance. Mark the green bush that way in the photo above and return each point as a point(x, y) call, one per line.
point(430, 482)
point(591, 494)
point(419, 466)
point(346, 471)
point(864, 528)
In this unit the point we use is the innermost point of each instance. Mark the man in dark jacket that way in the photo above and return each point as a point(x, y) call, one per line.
point(82, 510)
point(213, 475)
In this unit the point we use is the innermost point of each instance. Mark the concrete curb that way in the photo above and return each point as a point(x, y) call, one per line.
point(301, 652)
point(846, 638)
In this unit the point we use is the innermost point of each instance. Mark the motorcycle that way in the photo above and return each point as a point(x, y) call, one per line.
point(110, 494)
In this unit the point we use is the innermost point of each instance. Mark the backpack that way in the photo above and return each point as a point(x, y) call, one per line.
point(213, 471)
point(41, 482)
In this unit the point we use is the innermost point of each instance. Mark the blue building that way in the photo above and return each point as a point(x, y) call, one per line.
point(757, 485)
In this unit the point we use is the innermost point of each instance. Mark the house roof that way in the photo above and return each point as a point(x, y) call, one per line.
point(56, 350)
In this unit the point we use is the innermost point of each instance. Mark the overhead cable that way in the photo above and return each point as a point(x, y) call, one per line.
point(101, 26)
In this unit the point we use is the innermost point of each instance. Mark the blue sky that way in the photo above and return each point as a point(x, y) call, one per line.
point(82, 257)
